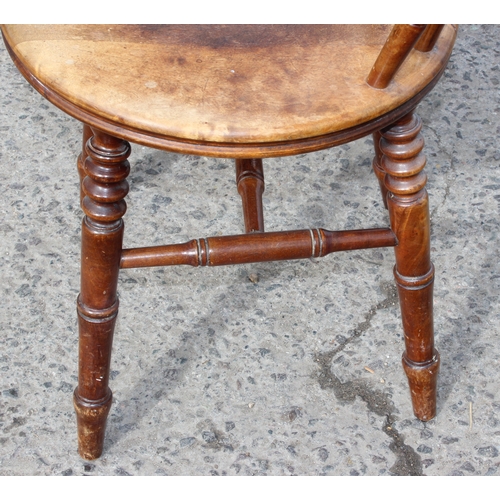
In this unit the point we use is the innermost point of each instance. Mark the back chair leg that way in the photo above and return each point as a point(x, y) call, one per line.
point(403, 163)
point(250, 182)
point(377, 167)
point(86, 135)
point(105, 188)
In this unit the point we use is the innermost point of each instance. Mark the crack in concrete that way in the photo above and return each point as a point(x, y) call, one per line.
point(408, 461)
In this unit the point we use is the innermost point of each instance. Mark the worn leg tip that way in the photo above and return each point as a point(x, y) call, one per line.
point(89, 455)
point(422, 378)
point(91, 421)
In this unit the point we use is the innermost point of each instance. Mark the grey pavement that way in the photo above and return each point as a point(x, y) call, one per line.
point(289, 368)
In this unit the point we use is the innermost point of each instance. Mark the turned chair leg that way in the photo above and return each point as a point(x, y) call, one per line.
point(250, 182)
point(105, 188)
point(86, 135)
point(377, 167)
point(403, 163)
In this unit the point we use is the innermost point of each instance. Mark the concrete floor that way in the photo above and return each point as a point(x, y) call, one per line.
point(215, 373)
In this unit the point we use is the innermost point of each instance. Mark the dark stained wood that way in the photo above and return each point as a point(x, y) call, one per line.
point(257, 247)
point(429, 37)
point(102, 234)
point(86, 135)
point(394, 53)
point(245, 92)
point(408, 204)
point(377, 168)
point(250, 182)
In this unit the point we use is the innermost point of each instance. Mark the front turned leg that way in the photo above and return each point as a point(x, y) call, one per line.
point(105, 188)
point(408, 205)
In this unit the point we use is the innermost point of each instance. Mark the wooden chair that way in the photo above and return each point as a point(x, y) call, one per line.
point(242, 92)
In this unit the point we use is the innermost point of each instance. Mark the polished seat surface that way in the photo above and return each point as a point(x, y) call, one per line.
point(226, 84)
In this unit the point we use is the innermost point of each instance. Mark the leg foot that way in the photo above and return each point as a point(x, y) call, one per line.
point(91, 420)
point(423, 385)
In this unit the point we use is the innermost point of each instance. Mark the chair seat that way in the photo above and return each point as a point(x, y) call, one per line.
point(222, 84)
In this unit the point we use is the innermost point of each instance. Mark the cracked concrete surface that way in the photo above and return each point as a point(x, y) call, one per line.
point(408, 462)
point(287, 368)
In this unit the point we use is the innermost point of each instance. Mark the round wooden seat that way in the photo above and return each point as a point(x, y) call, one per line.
point(220, 85)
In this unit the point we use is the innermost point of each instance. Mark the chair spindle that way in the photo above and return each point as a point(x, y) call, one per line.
point(394, 52)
